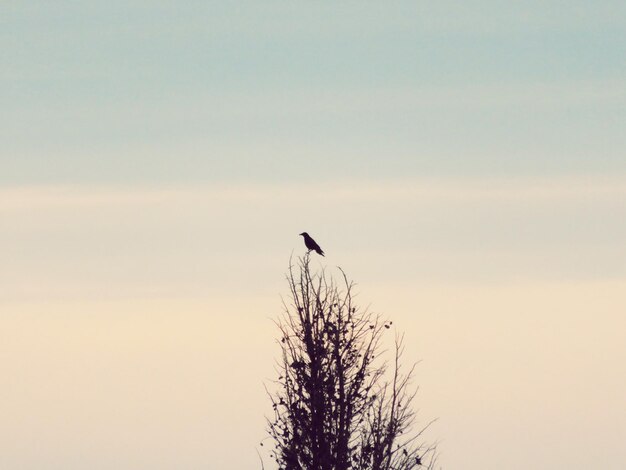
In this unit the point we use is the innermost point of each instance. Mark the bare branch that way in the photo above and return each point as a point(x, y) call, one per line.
point(338, 404)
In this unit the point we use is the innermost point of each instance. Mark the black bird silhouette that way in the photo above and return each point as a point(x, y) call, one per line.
point(310, 244)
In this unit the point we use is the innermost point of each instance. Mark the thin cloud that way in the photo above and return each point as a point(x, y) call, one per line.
point(424, 190)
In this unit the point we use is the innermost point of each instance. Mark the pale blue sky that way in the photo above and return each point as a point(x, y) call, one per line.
point(142, 92)
point(463, 162)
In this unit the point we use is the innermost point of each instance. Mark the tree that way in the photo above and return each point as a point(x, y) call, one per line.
point(337, 404)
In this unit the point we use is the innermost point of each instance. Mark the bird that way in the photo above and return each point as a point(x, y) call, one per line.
point(310, 244)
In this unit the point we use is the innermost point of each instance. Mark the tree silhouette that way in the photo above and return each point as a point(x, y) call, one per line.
point(337, 404)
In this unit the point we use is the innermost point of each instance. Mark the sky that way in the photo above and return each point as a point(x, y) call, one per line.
point(463, 162)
